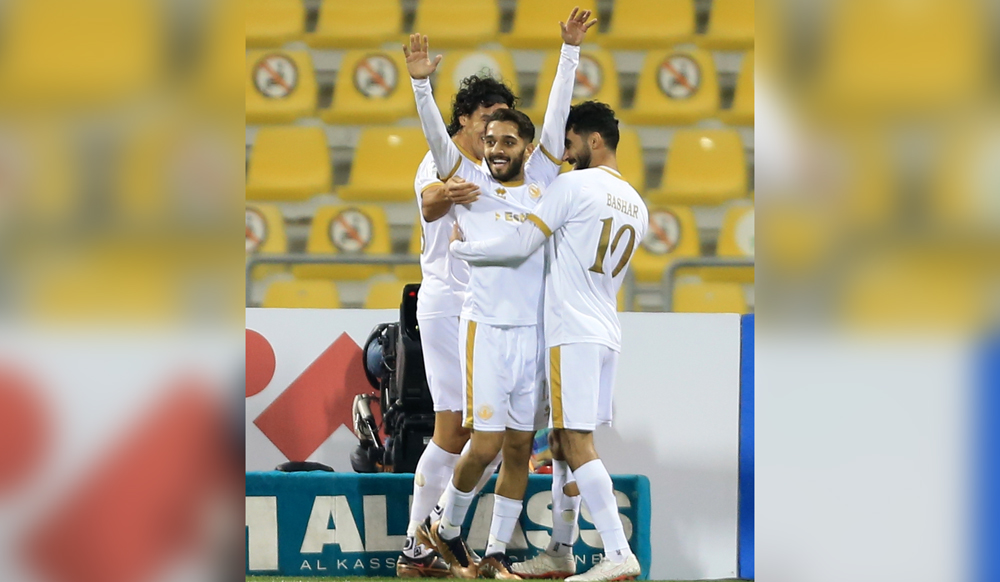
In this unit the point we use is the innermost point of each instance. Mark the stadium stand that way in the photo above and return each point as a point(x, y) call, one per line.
point(384, 295)
point(703, 167)
point(741, 113)
point(730, 25)
point(350, 230)
point(372, 87)
point(675, 87)
point(412, 273)
point(289, 164)
point(272, 23)
point(280, 86)
point(458, 65)
point(672, 234)
point(736, 241)
point(533, 22)
point(265, 235)
point(698, 297)
point(630, 162)
point(384, 165)
point(457, 23)
point(302, 294)
point(365, 24)
point(596, 79)
point(650, 24)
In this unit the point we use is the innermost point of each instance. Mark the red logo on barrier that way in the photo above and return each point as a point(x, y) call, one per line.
point(316, 403)
point(260, 363)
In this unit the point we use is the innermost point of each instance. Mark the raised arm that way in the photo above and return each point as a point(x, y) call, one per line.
point(445, 152)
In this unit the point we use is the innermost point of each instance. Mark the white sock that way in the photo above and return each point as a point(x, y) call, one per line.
point(434, 470)
point(505, 514)
point(565, 510)
point(456, 507)
point(488, 472)
point(596, 489)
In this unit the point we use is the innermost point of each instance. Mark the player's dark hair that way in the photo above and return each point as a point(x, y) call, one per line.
point(593, 116)
point(478, 91)
point(525, 128)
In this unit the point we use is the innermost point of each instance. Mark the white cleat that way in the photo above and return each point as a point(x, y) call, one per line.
point(608, 571)
point(545, 566)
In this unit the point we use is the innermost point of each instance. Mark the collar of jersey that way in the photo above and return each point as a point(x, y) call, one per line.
point(467, 154)
point(614, 173)
point(513, 183)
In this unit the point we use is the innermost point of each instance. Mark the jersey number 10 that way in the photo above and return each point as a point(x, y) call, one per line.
point(602, 247)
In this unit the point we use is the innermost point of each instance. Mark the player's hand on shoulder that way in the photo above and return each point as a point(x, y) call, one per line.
point(458, 191)
point(576, 26)
point(418, 61)
point(456, 233)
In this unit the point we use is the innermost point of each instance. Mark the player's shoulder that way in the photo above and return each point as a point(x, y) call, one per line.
point(428, 162)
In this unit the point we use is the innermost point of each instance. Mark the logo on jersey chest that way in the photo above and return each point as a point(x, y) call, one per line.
point(501, 193)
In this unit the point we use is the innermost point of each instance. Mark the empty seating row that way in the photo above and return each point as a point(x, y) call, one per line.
point(703, 167)
point(634, 24)
point(675, 86)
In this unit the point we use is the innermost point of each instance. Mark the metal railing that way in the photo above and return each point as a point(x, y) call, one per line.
point(670, 273)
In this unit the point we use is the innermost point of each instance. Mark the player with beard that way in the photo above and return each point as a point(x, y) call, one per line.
point(594, 220)
point(499, 334)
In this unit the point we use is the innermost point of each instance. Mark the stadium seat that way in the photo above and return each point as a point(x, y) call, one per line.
point(289, 164)
point(458, 65)
point(350, 230)
point(630, 161)
point(384, 295)
point(457, 23)
point(649, 24)
point(385, 161)
point(672, 234)
point(697, 297)
point(730, 26)
point(272, 23)
point(350, 24)
point(736, 241)
point(596, 79)
point(412, 273)
point(302, 294)
point(741, 112)
point(280, 86)
point(372, 87)
point(675, 87)
point(704, 167)
point(536, 24)
point(265, 235)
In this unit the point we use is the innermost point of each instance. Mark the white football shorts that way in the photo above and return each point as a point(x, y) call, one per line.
point(504, 379)
point(442, 363)
point(581, 381)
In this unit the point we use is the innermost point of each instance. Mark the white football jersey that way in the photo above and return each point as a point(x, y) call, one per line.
point(594, 220)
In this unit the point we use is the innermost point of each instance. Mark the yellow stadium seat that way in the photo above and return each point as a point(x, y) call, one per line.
point(596, 79)
point(536, 23)
point(412, 273)
point(302, 294)
point(736, 241)
point(265, 234)
point(384, 165)
point(696, 297)
point(675, 87)
point(349, 230)
point(280, 86)
point(385, 295)
point(272, 23)
point(457, 23)
point(741, 113)
point(350, 24)
point(649, 24)
point(289, 164)
point(704, 167)
point(80, 54)
point(458, 65)
point(630, 162)
point(372, 87)
point(730, 25)
point(672, 234)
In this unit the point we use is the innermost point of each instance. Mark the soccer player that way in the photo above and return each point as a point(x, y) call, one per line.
point(593, 220)
point(499, 331)
point(439, 305)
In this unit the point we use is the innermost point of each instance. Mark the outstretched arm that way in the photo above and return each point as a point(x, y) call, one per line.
point(445, 152)
point(510, 248)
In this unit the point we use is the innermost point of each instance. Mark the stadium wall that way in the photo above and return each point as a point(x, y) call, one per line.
point(677, 417)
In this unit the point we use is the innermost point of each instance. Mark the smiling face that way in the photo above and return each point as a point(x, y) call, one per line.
point(578, 151)
point(474, 126)
point(505, 150)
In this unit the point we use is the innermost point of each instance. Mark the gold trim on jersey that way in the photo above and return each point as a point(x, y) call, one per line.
point(470, 349)
point(452, 172)
point(614, 173)
point(467, 154)
point(555, 385)
point(513, 183)
point(549, 156)
point(540, 224)
point(429, 186)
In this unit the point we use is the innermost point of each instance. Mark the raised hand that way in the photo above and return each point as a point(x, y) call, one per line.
point(576, 26)
point(418, 61)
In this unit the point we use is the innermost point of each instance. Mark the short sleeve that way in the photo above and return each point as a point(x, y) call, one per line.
point(555, 208)
point(427, 176)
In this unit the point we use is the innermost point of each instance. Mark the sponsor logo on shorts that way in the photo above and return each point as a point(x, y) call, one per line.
point(485, 412)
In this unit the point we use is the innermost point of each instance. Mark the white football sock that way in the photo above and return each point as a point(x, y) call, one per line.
point(434, 470)
point(565, 510)
point(456, 507)
point(597, 490)
point(505, 514)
